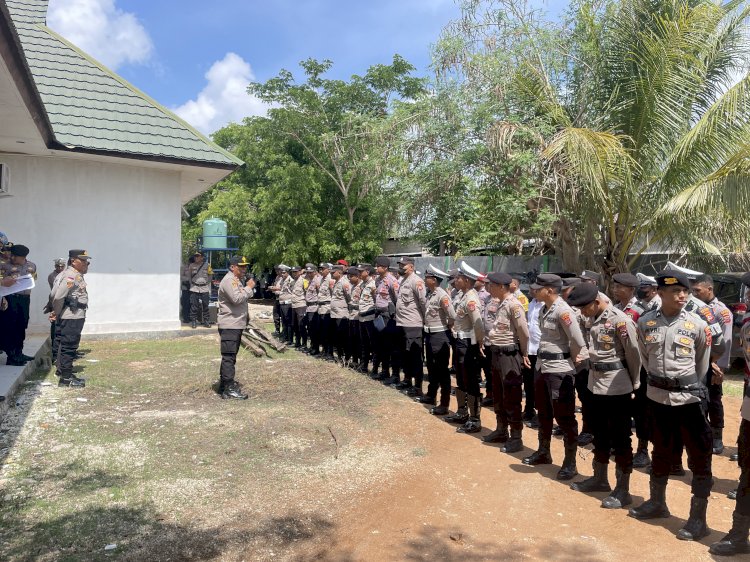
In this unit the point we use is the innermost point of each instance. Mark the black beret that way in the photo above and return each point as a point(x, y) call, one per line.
point(364, 266)
point(572, 281)
point(19, 250)
point(746, 279)
point(583, 294)
point(590, 275)
point(671, 277)
point(352, 271)
point(405, 260)
point(547, 280)
point(295, 268)
point(626, 279)
point(78, 254)
point(382, 261)
point(499, 278)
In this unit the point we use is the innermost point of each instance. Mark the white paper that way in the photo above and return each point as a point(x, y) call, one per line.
point(23, 283)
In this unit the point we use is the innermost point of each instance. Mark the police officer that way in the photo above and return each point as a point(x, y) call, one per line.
point(623, 290)
point(232, 319)
point(324, 310)
point(675, 347)
point(276, 306)
point(735, 542)
point(560, 346)
point(386, 291)
point(469, 336)
point(508, 346)
point(648, 298)
point(199, 276)
point(312, 284)
point(438, 319)
point(59, 267)
point(340, 293)
point(703, 288)
point(355, 349)
point(614, 372)
point(366, 317)
point(489, 312)
point(299, 308)
point(70, 302)
point(282, 287)
point(16, 317)
point(410, 310)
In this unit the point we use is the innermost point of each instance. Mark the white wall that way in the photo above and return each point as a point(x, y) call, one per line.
point(127, 217)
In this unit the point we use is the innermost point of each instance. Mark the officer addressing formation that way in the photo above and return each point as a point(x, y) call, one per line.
point(653, 357)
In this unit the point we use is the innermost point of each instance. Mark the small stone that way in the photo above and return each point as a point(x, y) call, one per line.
point(46, 383)
point(110, 547)
point(80, 399)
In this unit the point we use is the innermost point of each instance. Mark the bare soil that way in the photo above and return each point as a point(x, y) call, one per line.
point(320, 464)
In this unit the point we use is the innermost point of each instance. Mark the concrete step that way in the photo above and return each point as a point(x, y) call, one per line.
point(11, 378)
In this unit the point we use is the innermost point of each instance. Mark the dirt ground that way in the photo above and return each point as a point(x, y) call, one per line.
point(320, 464)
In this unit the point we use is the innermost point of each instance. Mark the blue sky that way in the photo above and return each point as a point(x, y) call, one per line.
point(196, 57)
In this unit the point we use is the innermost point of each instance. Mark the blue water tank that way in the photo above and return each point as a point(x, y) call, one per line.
point(214, 234)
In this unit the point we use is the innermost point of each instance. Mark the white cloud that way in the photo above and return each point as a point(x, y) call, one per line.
point(102, 30)
point(224, 99)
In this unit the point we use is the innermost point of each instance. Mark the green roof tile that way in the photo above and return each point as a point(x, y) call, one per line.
point(92, 108)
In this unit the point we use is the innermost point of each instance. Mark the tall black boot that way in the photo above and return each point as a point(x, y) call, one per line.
point(718, 444)
point(568, 469)
point(500, 435)
point(736, 541)
point(462, 412)
point(597, 483)
point(695, 528)
point(620, 496)
point(640, 459)
point(655, 506)
point(515, 443)
point(542, 455)
point(473, 424)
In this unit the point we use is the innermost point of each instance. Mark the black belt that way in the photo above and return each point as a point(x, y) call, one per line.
point(368, 313)
point(604, 366)
point(548, 355)
point(679, 384)
point(505, 349)
point(324, 302)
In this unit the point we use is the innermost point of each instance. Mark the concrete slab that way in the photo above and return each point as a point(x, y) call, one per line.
point(11, 378)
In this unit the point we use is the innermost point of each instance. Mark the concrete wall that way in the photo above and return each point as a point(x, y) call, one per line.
point(127, 217)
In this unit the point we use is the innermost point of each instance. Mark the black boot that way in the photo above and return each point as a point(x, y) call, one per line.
point(473, 425)
point(640, 459)
point(515, 443)
point(193, 324)
point(620, 496)
point(597, 483)
point(500, 435)
point(72, 381)
point(718, 444)
point(462, 412)
point(732, 494)
point(695, 528)
point(655, 506)
point(233, 391)
point(736, 541)
point(568, 469)
point(541, 455)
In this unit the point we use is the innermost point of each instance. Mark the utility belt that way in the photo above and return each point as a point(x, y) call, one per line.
point(435, 329)
point(469, 335)
point(74, 305)
point(552, 356)
point(311, 303)
point(605, 366)
point(505, 349)
point(321, 303)
point(679, 384)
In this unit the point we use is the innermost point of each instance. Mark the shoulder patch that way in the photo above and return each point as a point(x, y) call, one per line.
point(420, 285)
point(705, 312)
point(726, 315)
point(622, 329)
point(444, 302)
point(471, 305)
point(709, 338)
point(566, 319)
point(517, 311)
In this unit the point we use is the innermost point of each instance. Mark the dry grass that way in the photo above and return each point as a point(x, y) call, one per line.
point(149, 458)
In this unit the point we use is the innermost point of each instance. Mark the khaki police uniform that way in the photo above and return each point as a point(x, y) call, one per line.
point(340, 295)
point(469, 335)
point(232, 319)
point(70, 301)
point(410, 310)
point(299, 311)
point(355, 346)
point(324, 314)
point(367, 312)
point(438, 318)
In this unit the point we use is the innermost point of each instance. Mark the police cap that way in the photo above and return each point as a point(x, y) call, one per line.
point(583, 294)
point(626, 279)
point(671, 277)
point(547, 280)
point(499, 278)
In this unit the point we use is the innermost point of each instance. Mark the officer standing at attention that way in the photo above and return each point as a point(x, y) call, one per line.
point(59, 267)
point(386, 289)
point(410, 311)
point(438, 318)
point(489, 312)
point(17, 315)
point(559, 348)
point(648, 298)
point(324, 310)
point(340, 292)
point(232, 319)
point(623, 290)
point(282, 287)
point(508, 346)
point(355, 349)
point(703, 288)
point(299, 308)
point(311, 301)
point(515, 288)
point(614, 372)
point(70, 301)
point(469, 336)
point(676, 349)
point(200, 289)
point(367, 313)
point(276, 306)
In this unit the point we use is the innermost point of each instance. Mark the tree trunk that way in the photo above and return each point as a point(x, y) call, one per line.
point(350, 213)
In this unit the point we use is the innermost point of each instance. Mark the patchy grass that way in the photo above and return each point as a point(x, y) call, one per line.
point(147, 457)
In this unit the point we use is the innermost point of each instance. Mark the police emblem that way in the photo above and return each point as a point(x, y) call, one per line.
point(651, 323)
point(689, 325)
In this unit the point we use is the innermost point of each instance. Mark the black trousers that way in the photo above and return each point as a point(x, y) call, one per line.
point(69, 338)
point(640, 409)
point(199, 307)
point(584, 396)
point(230, 345)
point(354, 349)
point(382, 345)
point(299, 325)
point(313, 329)
point(411, 355)
point(688, 424)
point(486, 365)
point(393, 353)
point(466, 362)
point(287, 323)
point(528, 386)
point(185, 305)
point(341, 336)
point(507, 384)
point(555, 397)
point(16, 322)
point(743, 490)
point(277, 315)
point(438, 352)
point(715, 405)
point(366, 340)
point(324, 331)
point(610, 420)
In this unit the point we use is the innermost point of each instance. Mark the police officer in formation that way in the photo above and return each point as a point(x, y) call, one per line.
point(14, 319)
point(648, 354)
